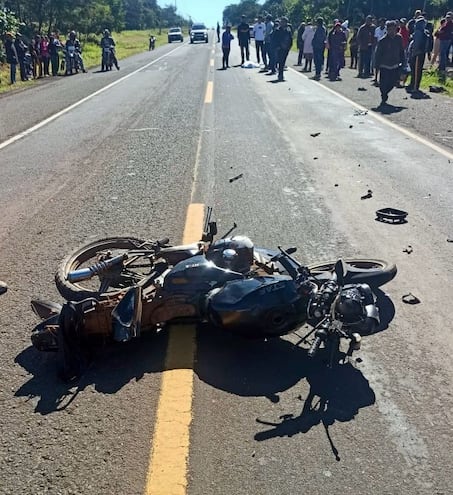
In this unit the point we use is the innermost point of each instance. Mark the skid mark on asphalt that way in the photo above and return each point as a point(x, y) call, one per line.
point(167, 473)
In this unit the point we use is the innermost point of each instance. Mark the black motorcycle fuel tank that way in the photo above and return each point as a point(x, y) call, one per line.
point(197, 274)
point(257, 307)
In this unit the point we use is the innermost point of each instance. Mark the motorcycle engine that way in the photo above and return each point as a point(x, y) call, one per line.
point(356, 308)
point(234, 253)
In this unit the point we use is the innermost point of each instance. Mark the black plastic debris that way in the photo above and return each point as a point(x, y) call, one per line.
point(410, 299)
point(408, 250)
point(3, 287)
point(391, 215)
point(449, 239)
point(236, 178)
point(315, 134)
point(361, 89)
point(368, 195)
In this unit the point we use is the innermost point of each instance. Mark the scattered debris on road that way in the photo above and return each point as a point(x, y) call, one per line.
point(315, 134)
point(358, 113)
point(427, 197)
point(408, 250)
point(368, 195)
point(449, 239)
point(3, 287)
point(361, 89)
point(336, 185)
point(236, 178)
point(410, 299)
point(391, 215)
point(315, 158)
point(351, 126)
point(436, 89)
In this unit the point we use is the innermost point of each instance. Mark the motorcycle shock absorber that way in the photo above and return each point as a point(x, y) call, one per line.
point(96, 269)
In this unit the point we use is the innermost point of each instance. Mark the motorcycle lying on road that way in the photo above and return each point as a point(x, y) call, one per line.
point(121, 287)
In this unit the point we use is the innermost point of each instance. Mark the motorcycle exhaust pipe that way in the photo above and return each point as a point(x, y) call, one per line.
point(96, 269)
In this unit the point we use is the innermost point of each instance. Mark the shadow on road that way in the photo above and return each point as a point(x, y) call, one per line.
point(335, 395)
point(388, 109)
point(111, 369)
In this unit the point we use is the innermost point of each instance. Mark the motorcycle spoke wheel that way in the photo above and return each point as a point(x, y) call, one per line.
point(109, 283)
point(360, 271)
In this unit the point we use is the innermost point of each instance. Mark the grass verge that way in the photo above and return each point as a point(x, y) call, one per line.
point(127, 43)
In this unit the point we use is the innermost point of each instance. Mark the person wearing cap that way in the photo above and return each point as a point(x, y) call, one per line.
point(11, 56)
point(389, 58)
point(337, 45)
point(244, 39)
point(366, 41)
point(445, 35)
point(411, 23)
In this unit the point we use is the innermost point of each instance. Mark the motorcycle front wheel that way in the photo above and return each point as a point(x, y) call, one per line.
point(111, 282)
point(359, 271)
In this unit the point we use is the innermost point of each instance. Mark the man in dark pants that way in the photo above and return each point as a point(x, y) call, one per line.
point(244, 39)
point(20, 49)
point(417, 54)
point(366, 42)
point(226, 46)
point(319, 46)
point(389, 59)
point(300, 42)
point(283, 41)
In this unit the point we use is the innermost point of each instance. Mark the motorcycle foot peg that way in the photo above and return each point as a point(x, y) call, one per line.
point(356, 341)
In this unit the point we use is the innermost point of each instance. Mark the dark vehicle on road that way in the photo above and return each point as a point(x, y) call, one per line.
point(175, 34)
point(199, 32)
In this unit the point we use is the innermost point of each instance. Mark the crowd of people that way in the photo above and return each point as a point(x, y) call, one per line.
point(46, 56)
point(391, 52)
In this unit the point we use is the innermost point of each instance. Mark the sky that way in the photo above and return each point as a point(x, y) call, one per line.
point(207, 11)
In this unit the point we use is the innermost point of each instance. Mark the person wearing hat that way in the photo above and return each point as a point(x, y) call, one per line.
point(366, 42)
point(389, 58)
point(11, 56)
point(244, 39)
point(411, 23)
point(337, 45)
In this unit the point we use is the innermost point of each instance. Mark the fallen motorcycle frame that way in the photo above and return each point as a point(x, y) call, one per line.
point(140, 286)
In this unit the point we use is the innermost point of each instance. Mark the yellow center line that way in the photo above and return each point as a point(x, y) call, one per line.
point(167, 472)
point(209, 92)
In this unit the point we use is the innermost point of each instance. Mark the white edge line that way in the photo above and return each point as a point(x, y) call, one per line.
point(378, 117)
point(80, 102)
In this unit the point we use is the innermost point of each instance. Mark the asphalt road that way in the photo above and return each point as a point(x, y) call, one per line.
point(130, 160)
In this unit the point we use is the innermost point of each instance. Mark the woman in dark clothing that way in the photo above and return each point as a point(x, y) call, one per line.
point(11, 56)
point(300, 42)
point(354, 49)
point(337, 45)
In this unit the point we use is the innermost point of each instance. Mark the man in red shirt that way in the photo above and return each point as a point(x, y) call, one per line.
point(445, 35)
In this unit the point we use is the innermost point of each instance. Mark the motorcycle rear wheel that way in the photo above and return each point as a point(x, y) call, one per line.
point(360, 271)
point(88, 255)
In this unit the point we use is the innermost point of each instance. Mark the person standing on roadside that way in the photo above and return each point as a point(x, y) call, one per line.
point(54, 47)
point(390, 57)
point(227, 37)
point(319, 46)
point(445, 35)
point(267, 42)
point(283, 42)
point(366, 41)
point(354, 49)
point(218, 32)
point(244, 39)
point(11, 56)
point(307, 39)
point(379, 33)
point(300, 43)
point(259, 31)
point(337, 45)
point(20, 49)
point(417, 54)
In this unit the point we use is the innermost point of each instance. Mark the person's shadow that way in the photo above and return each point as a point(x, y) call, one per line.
point(388, 109)
point(335, 394)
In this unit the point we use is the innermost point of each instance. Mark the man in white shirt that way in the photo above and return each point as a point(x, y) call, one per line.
point(259, 31)
point(379, 33)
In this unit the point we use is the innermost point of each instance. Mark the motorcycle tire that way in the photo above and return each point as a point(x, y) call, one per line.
point(360, 271)
point(86, 255)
